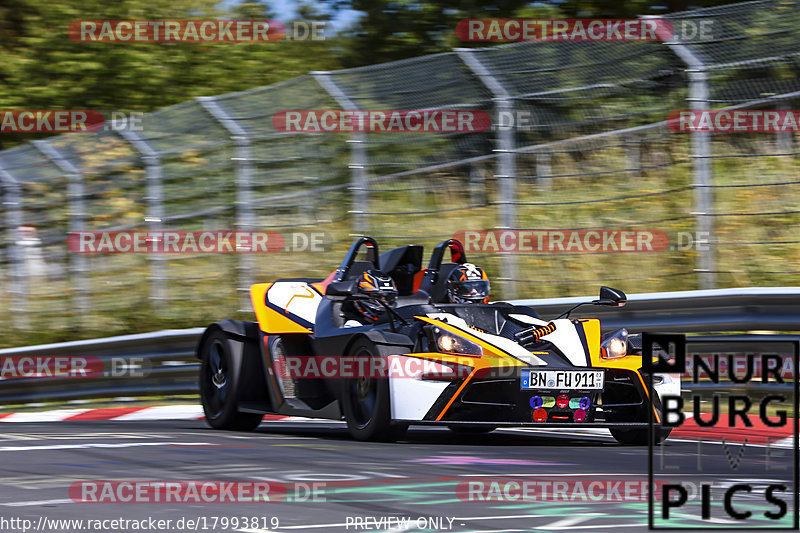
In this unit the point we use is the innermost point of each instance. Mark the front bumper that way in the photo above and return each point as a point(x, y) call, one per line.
point(501, 400)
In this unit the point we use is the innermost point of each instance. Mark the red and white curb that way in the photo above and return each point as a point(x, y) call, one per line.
point(160, 412)
point(758, 434)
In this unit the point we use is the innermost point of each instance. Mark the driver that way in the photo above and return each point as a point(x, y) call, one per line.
point(468, 284)
point(377, 286)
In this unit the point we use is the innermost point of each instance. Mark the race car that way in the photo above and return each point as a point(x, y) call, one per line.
point(419, 359)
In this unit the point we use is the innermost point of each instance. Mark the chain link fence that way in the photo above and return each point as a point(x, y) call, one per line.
point(578, 142)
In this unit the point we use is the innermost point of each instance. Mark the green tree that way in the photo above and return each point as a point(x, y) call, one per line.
point(43, 69)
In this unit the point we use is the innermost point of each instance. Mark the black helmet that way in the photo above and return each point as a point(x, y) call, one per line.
point(378, 286)
point(468, 284)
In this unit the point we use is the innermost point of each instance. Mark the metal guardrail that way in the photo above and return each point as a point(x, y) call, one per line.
point(707, 311)
point(169, 366)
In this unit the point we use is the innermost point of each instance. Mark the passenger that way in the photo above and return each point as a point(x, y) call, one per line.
point(468, 284)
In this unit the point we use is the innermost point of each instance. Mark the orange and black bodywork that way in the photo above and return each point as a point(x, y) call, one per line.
point(458, 365)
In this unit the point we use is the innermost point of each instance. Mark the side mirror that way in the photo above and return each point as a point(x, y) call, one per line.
point(341, 290)
point(611, 297)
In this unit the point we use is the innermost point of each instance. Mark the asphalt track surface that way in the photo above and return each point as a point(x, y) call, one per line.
point(417, 478)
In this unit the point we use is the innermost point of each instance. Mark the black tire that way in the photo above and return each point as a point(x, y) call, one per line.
point(471, 430)
point(221, 384)
point(366, 402)
point(639, 436)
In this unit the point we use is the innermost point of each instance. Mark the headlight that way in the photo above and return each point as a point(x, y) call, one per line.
point(446, 342)
point(615, 345)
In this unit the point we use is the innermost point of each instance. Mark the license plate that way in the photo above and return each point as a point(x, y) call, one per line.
point(562, 379)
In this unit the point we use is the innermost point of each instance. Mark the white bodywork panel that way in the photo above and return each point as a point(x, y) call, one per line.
point(412, 398)
point(566, 339)
point(297, 297)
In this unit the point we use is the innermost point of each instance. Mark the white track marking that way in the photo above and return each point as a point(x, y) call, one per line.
point(567, 523)
point(599, 526)
point(100, 445)
point(36, 503)
point(165, 412)
point(43, 416)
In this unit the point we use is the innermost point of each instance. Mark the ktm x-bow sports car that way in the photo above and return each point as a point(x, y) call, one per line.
point(418, 359)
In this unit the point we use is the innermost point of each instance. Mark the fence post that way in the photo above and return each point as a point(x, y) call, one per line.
point(77, 223)
point(155, 212)
point(633, 156)
point(12, 204)
point(245, 219)
point(358, 156)
point(477, 185)
point(701, 152)
point(506, 160)
point(544, 170)
point(784, 138)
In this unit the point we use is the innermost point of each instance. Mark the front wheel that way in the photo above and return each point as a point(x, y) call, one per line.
point(220, 385)
point(366, 402)
point(639, 436)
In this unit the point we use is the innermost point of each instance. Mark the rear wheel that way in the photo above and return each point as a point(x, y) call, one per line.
point(366, 402)
point(220, 385)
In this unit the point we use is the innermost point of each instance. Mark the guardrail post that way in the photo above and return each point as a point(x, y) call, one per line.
point(245, 219)
point(358, 156)
point(155, 212)
point(12, 205)
point(701, 153)
point(506, 160)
